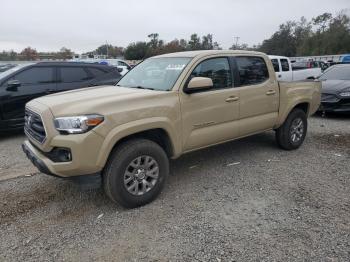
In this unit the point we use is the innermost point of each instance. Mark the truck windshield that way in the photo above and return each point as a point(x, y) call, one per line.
point(155, 73)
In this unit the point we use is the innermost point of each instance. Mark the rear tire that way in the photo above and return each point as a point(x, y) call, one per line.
point(135, 173)
point(292, 133)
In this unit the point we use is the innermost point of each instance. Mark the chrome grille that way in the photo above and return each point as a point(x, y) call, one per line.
point(329, 98)
point(34, 126)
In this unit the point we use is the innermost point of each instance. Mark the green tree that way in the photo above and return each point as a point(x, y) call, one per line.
point(207, 42)
point(136, 51)
point(194, 43)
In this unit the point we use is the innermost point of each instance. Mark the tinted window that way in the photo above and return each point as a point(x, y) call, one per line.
point(284, 65)
point(35, 75)
point(337, 73)
point(252, 70)
point(275, 64)
point(96, 71)
point(73, 74)
point(217, 69)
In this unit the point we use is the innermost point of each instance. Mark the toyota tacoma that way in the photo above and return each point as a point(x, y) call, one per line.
point(168, 105)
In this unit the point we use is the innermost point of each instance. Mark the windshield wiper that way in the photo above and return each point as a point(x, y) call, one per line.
point(139, 87)
point(142, 87)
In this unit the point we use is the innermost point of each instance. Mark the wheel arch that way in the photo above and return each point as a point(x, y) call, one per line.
point(160, 132)
point(303, 105)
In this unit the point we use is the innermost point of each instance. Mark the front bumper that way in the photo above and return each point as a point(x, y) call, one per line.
point(88, 181)
point(341, 106)
point(84, 148)
point(36, 161)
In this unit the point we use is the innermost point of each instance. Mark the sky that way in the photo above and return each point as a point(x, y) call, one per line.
point(83, 25)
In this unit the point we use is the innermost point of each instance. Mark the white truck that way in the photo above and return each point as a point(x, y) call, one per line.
point(285, 72)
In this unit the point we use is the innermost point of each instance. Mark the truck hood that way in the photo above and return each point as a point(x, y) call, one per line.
point(334, 86)
point(92, 100)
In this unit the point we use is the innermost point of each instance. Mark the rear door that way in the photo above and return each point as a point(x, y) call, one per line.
point(73, 77)
point(258, 95)
point(104, 76)
point(34, 82)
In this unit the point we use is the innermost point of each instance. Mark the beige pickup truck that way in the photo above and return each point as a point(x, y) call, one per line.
point(166, 106)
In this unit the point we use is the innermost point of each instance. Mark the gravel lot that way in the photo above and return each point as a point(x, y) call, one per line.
point(242, 201)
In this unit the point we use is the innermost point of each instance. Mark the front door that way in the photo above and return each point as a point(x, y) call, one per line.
point(33, 82)
point(208, 117)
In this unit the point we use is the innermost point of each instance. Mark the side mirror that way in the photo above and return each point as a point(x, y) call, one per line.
point(120, 69)
point(197, 84)
point(13, 85)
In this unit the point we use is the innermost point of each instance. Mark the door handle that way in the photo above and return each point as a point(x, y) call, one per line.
point(232, 99)
point(270, 92)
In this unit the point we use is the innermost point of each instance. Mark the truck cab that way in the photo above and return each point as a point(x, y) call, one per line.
point(286, 72)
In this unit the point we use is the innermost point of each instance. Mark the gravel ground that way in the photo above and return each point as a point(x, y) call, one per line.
point(241, 201)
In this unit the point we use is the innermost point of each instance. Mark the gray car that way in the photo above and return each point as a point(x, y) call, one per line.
point(336, 89)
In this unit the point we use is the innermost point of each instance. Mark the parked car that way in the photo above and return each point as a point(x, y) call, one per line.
point(5, 67)
point(336, 89)
point(23, 83)
point(120, 64)
point(285, 71)
point(309, 64)
point(164, 107)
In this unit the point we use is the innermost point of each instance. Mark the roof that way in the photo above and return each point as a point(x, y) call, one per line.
point(277, 57)
point(201, 53)
point(69, 64)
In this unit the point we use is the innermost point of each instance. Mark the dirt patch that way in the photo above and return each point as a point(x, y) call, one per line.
point(333, 141)
point(14, 205)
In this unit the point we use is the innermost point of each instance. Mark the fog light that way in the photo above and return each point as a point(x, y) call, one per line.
point(59, 154)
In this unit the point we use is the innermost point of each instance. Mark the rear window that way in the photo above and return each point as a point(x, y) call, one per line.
point(284, 65)
point(73, 74)
point(275, 64)
point(252, 70)
point(96, 71)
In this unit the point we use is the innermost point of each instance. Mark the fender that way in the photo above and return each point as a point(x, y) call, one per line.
point(130, 128)
point(285, 112)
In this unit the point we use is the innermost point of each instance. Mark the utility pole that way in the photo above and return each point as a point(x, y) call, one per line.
point(106, 49)
point(236, 39)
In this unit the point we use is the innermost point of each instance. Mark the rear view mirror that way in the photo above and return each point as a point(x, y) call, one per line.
point(197, 84)
point(13, 85)
point(120, 69)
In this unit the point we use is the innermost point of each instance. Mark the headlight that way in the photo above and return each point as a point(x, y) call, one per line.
point(77, 124)
point(345, 94)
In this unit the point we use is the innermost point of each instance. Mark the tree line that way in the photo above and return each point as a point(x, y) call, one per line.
point(323, 35)
point(30, 54)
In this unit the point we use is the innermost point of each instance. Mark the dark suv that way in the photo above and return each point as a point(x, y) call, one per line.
point(23, 83)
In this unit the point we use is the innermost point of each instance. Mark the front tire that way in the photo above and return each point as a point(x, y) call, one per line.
point(292, 133)
point(135, 173)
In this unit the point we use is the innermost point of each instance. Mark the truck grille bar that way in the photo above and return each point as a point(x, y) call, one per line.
point(34, 126)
